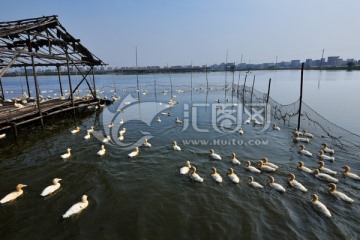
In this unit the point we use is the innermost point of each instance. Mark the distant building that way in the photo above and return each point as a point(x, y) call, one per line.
point(295, 63)
point(308, 62)
point(333, 61)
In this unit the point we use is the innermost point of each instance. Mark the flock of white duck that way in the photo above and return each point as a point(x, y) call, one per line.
point(263, 166)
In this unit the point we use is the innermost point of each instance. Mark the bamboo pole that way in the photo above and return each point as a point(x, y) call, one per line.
point(301, 94)
point(27, 82)
point(58, 71)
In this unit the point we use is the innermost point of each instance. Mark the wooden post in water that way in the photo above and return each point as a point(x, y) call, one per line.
point(301, 93)
point(2, 90)
point(207, 81)
point(243, 93)
point(252, 91)
point(70, 85)
point(27, 82)
point(93, 75)
point(58, 71)
point(37, 90)
point(267, 100)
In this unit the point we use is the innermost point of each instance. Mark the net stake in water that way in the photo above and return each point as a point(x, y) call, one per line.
point(301, 93)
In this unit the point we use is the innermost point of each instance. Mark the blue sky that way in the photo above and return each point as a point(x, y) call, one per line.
point(178, 32)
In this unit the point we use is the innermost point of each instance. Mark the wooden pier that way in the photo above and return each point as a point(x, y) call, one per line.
point(43, 42)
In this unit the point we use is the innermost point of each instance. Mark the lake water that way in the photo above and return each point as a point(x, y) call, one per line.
point(146, 197)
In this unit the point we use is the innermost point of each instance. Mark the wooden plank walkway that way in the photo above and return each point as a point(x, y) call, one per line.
point(11, 116)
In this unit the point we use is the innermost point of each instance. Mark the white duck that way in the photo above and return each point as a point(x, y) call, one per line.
point(266, 162)
point(101, 151)
point(251, 168)
point(52, 188)
point(304, 152)
point(91, 130)
point(301, 167)
point(66, 155)
point(175, 146)
point(2, 135)
point(254, 184)
point(77, 207)
point(266, 168)
point(322, 155)
point(300, 139)
point(146, 143)
point(13, 195)
point(234, 160)
point(178, 121)
point(123, 131)
point(320, 206)
point(296, 132)
point(76, 130)
point(194, 176)
point(324, 169)
point(307, 134)
point(248, 120)
point(215, 175)
point(275, 127)
point(233, 177)
point(185, 169)
point(326, 149)
point(158, 119)
point(111, 125)
point(347, 173)
point(339, 195)
point(241, 131)
point(121, 137)
point(325, 177)
point(87, 136)
point(214, 156)
point(295, 183)
point(275, 185)
point(106, 139)
point(134, 153)
point(121, 121)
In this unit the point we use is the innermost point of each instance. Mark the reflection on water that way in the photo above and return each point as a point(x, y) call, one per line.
point(146, 197)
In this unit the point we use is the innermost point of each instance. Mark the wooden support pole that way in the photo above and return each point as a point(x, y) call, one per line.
point(70, 85)
point(27, 82)
point(252, 91)
point(37, 90)
point(301, 93)
point(58, 71)
point(2, 90)
point(93, 75)
point(267, 100)
point(243, 93)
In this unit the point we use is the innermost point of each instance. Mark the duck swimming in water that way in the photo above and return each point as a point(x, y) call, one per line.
point(266, 162)
point(185, 169)
point(13, 195)
point(251, 168)
point(324, 169)
point(254, 184)
point(339, 195)
point(87, 136)
point(91, 130)
point(322, 155)
point(123, 131)
point(52, 188)
point(304, 152)
point(178, 121)
point(275, 127)
point(296, 132)
point(146, 143)
point(325, 177)
point(214, 156)
point(347, 173)
point(106, 139)
point(241, 131)
point(295, 183)
point(194, 176)
point(307, 134)
point(265, 168)
point(66, 155)
point(234, 160)
point(297, 138)
point(134, 153)
point(101, 151)
point(77, 207)
point(320, 206)
point(233, 177)
point(275, 185)
point(326, 149)
point(248, 120)
point(215, 175)
point(175, 146)
point(76, 130)
point(302, 167)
